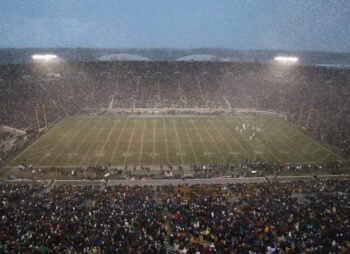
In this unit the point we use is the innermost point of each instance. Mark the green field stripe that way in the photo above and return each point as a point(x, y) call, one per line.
point(118, 140)
point(142, 140)
point(274, 139)
point(201, 141)
point(154, 140)
point(179, 145)
point(214, 142)
point(166, 141)
point(29, 148)
point(303, 157)
point(223, 139)
point(106, 141)
point(189, 141)
point(53, 148)
point(266, 148)
point(234, 138)
point(78, 148)
point(91, 146)
point(292, 126)
point(65, 145)
point(129, 144)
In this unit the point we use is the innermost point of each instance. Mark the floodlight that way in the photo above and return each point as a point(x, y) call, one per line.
point(287, 59)
point(45, 57)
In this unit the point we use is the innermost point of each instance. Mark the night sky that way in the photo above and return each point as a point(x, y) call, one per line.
point(237, 24)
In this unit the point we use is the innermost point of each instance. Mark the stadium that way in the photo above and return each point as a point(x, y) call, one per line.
point(107, 149)
point(173, 118)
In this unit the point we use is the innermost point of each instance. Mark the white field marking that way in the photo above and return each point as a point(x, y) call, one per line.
point(92, 144)
point(153, 154)
point(36, 141)
point(257, 138)
point(234, 139)
point(83, 140)
point(200, 139)
point(106, 141)
point(224, 140)
point(178, 143)
point(56, 144)
point(300, 155)
point(166, 141)
point(154, 139)
point(266, 148)
point(214, 142)
point(129, 145)
point(326, 156)
point(67, 145)
point(117, 144)
point(143, 136)
point(308, 145)
point(317, 149)
point(283, 152)
point(188, 137)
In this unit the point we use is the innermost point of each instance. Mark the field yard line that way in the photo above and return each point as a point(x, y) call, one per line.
point(143, 136)
point(166, 141)
point(223, 139)
point(188, 137)
point(107, 139)
point(317, 143)
point(290, 148)
point(56, 144)
point(214, 142)
point(266, 148)
point(178, 142)
point(92, 144)
point(308, 145)
point(117, 144)
point(65, 147)
point(36, 141)
point(83, 140)
point(154, 140)
point(200, 139)
point(129, 145)
point(317, 149)
point(234, 138)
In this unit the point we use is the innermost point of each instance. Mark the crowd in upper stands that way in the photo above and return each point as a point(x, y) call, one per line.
point(294, 217)
point(315, 98)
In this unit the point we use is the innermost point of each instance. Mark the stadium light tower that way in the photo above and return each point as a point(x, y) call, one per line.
point(286, 59)
point(44, 57)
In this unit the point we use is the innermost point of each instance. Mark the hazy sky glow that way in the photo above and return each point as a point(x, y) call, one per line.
point(238, 24)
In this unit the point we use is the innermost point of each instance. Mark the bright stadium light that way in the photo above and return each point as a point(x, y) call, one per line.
point(287, 59)
point(45, 57)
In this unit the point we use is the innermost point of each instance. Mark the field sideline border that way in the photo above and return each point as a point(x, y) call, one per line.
point(187, 181)
point(291, 125)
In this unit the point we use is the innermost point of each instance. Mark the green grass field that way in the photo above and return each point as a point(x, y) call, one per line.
point(148, 140)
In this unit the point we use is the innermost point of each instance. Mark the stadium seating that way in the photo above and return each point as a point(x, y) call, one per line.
point(295, 217)
point(317, 99)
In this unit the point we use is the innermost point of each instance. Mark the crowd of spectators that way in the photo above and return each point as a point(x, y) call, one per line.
point(315, 98)
point(294, 217)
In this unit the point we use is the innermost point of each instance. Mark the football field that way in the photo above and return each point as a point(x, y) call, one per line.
point(160, 140)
